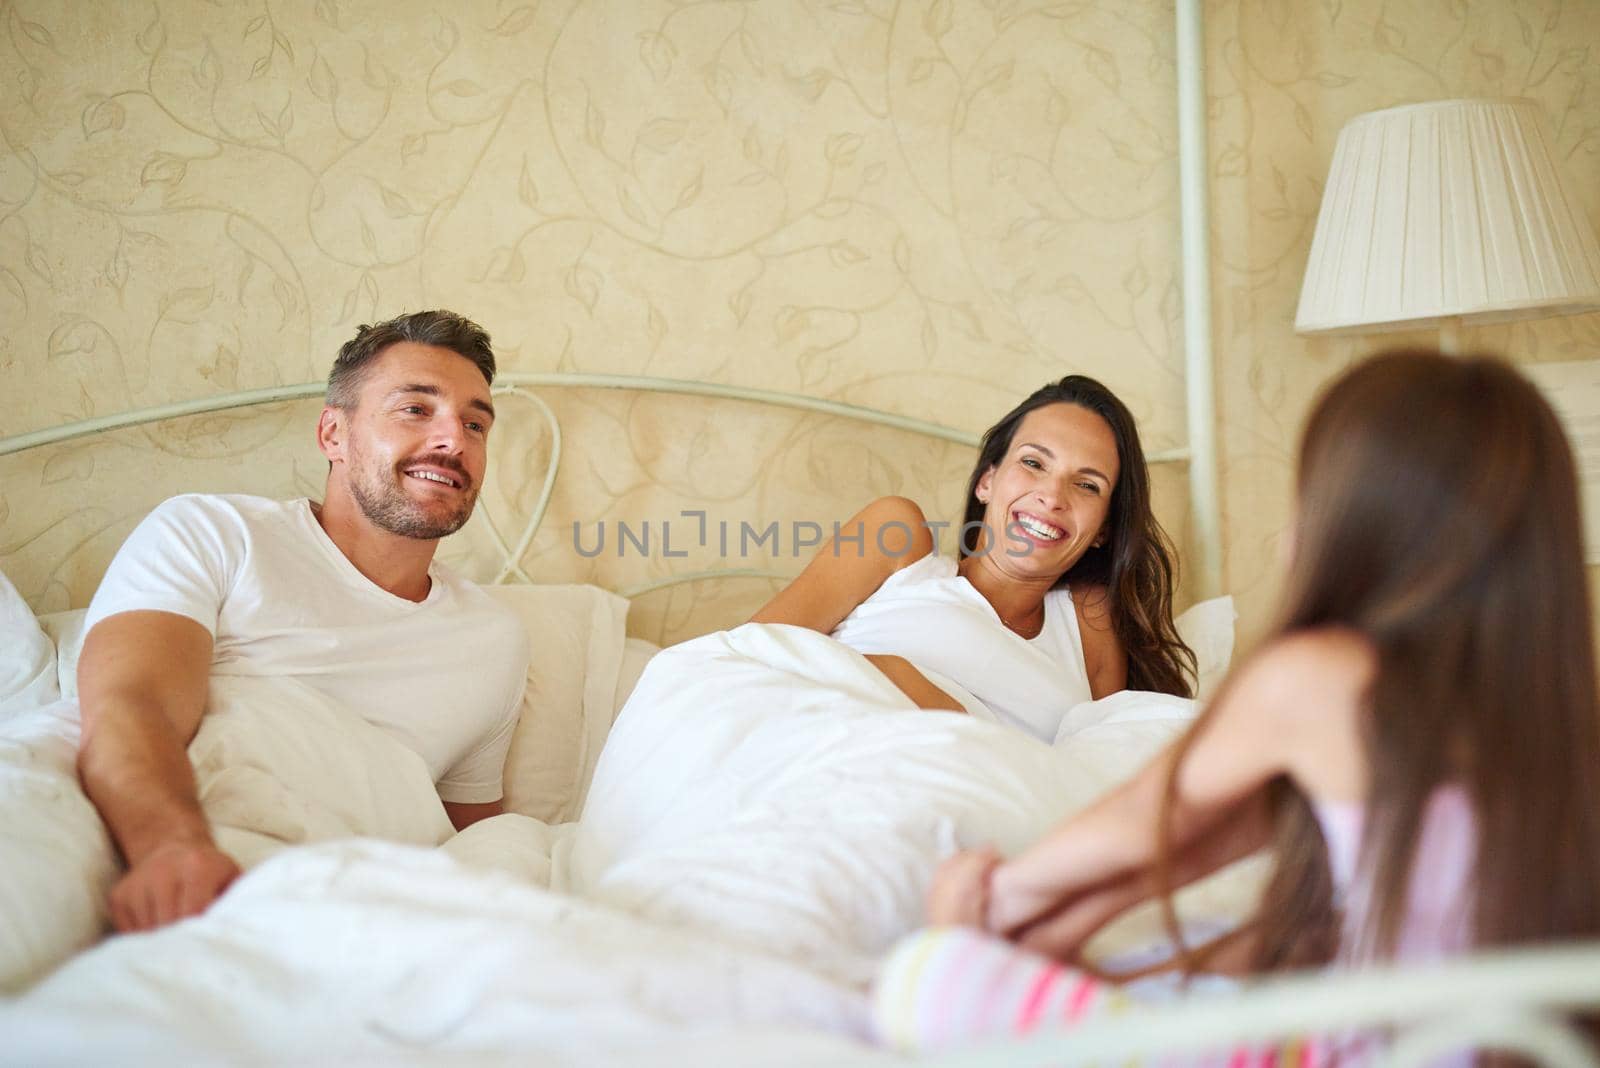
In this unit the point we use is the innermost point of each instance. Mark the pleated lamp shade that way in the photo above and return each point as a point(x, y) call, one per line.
point(1440, 213)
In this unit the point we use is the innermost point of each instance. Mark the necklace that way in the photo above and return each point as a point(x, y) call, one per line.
point(1023, 626)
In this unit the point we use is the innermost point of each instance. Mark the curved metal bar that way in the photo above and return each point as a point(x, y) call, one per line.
point(742, 393)
point(222, 402)
point(1540, 1036)
point(274, 394)
point(513, 557)
point(1549, 980)
point(514, 382)
point(640, 588)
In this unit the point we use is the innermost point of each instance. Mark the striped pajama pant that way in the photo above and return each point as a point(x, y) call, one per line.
point(944, 987)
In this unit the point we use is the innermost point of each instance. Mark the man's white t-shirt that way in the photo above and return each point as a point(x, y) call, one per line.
point(444, 676)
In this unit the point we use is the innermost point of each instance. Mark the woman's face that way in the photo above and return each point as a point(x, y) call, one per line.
point(1047, 500)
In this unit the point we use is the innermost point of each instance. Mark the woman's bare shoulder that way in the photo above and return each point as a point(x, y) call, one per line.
point(894, 509)
point(896, 527)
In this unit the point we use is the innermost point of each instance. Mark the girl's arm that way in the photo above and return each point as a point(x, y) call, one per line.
point(1064, 933)
point(877, 541)
point(1291, 710)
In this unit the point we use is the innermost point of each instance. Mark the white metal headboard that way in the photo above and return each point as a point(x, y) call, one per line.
point(522, 384)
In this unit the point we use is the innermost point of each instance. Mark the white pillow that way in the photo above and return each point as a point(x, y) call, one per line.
point(27, 656)
point(576, 684)
point(56, 857)
point(636, 655)
point(1207, 628)
point(65, 630)
point(577, 636)
point(278, 762)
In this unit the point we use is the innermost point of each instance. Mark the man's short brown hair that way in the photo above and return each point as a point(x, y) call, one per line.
point(442, 329)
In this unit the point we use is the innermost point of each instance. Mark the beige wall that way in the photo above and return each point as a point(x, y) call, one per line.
point(930, 208)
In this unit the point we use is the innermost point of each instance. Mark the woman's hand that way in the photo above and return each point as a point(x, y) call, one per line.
point(959, 895)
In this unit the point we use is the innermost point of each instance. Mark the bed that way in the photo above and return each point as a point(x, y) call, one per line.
point(717, 889)
point(740, 866)
point(709, 895)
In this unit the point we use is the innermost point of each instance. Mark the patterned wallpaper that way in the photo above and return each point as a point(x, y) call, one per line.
point(925, 206)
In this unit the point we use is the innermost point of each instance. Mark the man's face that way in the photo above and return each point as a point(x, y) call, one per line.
point(414, 447)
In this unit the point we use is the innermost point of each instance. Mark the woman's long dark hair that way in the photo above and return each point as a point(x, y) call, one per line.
point(1135, 565)
point(1438, 516)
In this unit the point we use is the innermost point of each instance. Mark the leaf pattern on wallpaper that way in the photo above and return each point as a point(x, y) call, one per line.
point(925, 206)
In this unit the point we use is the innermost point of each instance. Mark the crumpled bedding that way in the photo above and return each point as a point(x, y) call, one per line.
point(761, 826)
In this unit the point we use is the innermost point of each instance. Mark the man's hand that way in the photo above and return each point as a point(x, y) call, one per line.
point(960, 892)
point(171, 882)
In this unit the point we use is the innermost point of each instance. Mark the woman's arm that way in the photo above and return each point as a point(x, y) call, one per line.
point(877, 541)
point(1290, 711)
point(1103, 655)
point(914, 684)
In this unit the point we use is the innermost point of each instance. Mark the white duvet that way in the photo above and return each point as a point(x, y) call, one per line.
point(760, 827)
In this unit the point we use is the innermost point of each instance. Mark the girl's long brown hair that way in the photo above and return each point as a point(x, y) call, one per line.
point(1137, 564)
point(1438, 516)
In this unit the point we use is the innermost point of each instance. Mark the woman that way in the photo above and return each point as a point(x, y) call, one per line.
point(1063, 589)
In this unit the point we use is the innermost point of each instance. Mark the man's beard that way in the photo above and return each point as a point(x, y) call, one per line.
point(386, 505)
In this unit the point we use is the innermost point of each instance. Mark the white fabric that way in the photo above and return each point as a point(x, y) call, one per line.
point(278, 762)
point(936, 619)
point(761, 826)
point(1207, 628)
point(762, 823)
point(577, 637)
point(767, 783)
point(56, 859)
point(443, 676)
point(374, 953)
point(65, 631)
point(27, 659)
point(1449, 209)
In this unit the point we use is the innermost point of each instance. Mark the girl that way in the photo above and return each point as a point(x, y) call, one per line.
point(1419, 740)
point(1063, 589)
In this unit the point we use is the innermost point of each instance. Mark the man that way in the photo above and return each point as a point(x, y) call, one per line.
point(345, 596)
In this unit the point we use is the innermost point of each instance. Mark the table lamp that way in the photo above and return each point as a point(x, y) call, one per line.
point(1447, 213)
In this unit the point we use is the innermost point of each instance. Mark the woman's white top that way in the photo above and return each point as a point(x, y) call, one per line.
point(938, 620)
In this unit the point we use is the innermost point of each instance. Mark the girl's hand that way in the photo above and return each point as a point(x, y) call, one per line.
point(959, 895)
point(1013, 906)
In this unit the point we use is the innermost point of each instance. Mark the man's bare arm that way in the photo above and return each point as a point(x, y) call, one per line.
point(463, 814)
point(142, 680)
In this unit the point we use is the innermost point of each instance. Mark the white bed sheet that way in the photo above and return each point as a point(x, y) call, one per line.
point(760, 827)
